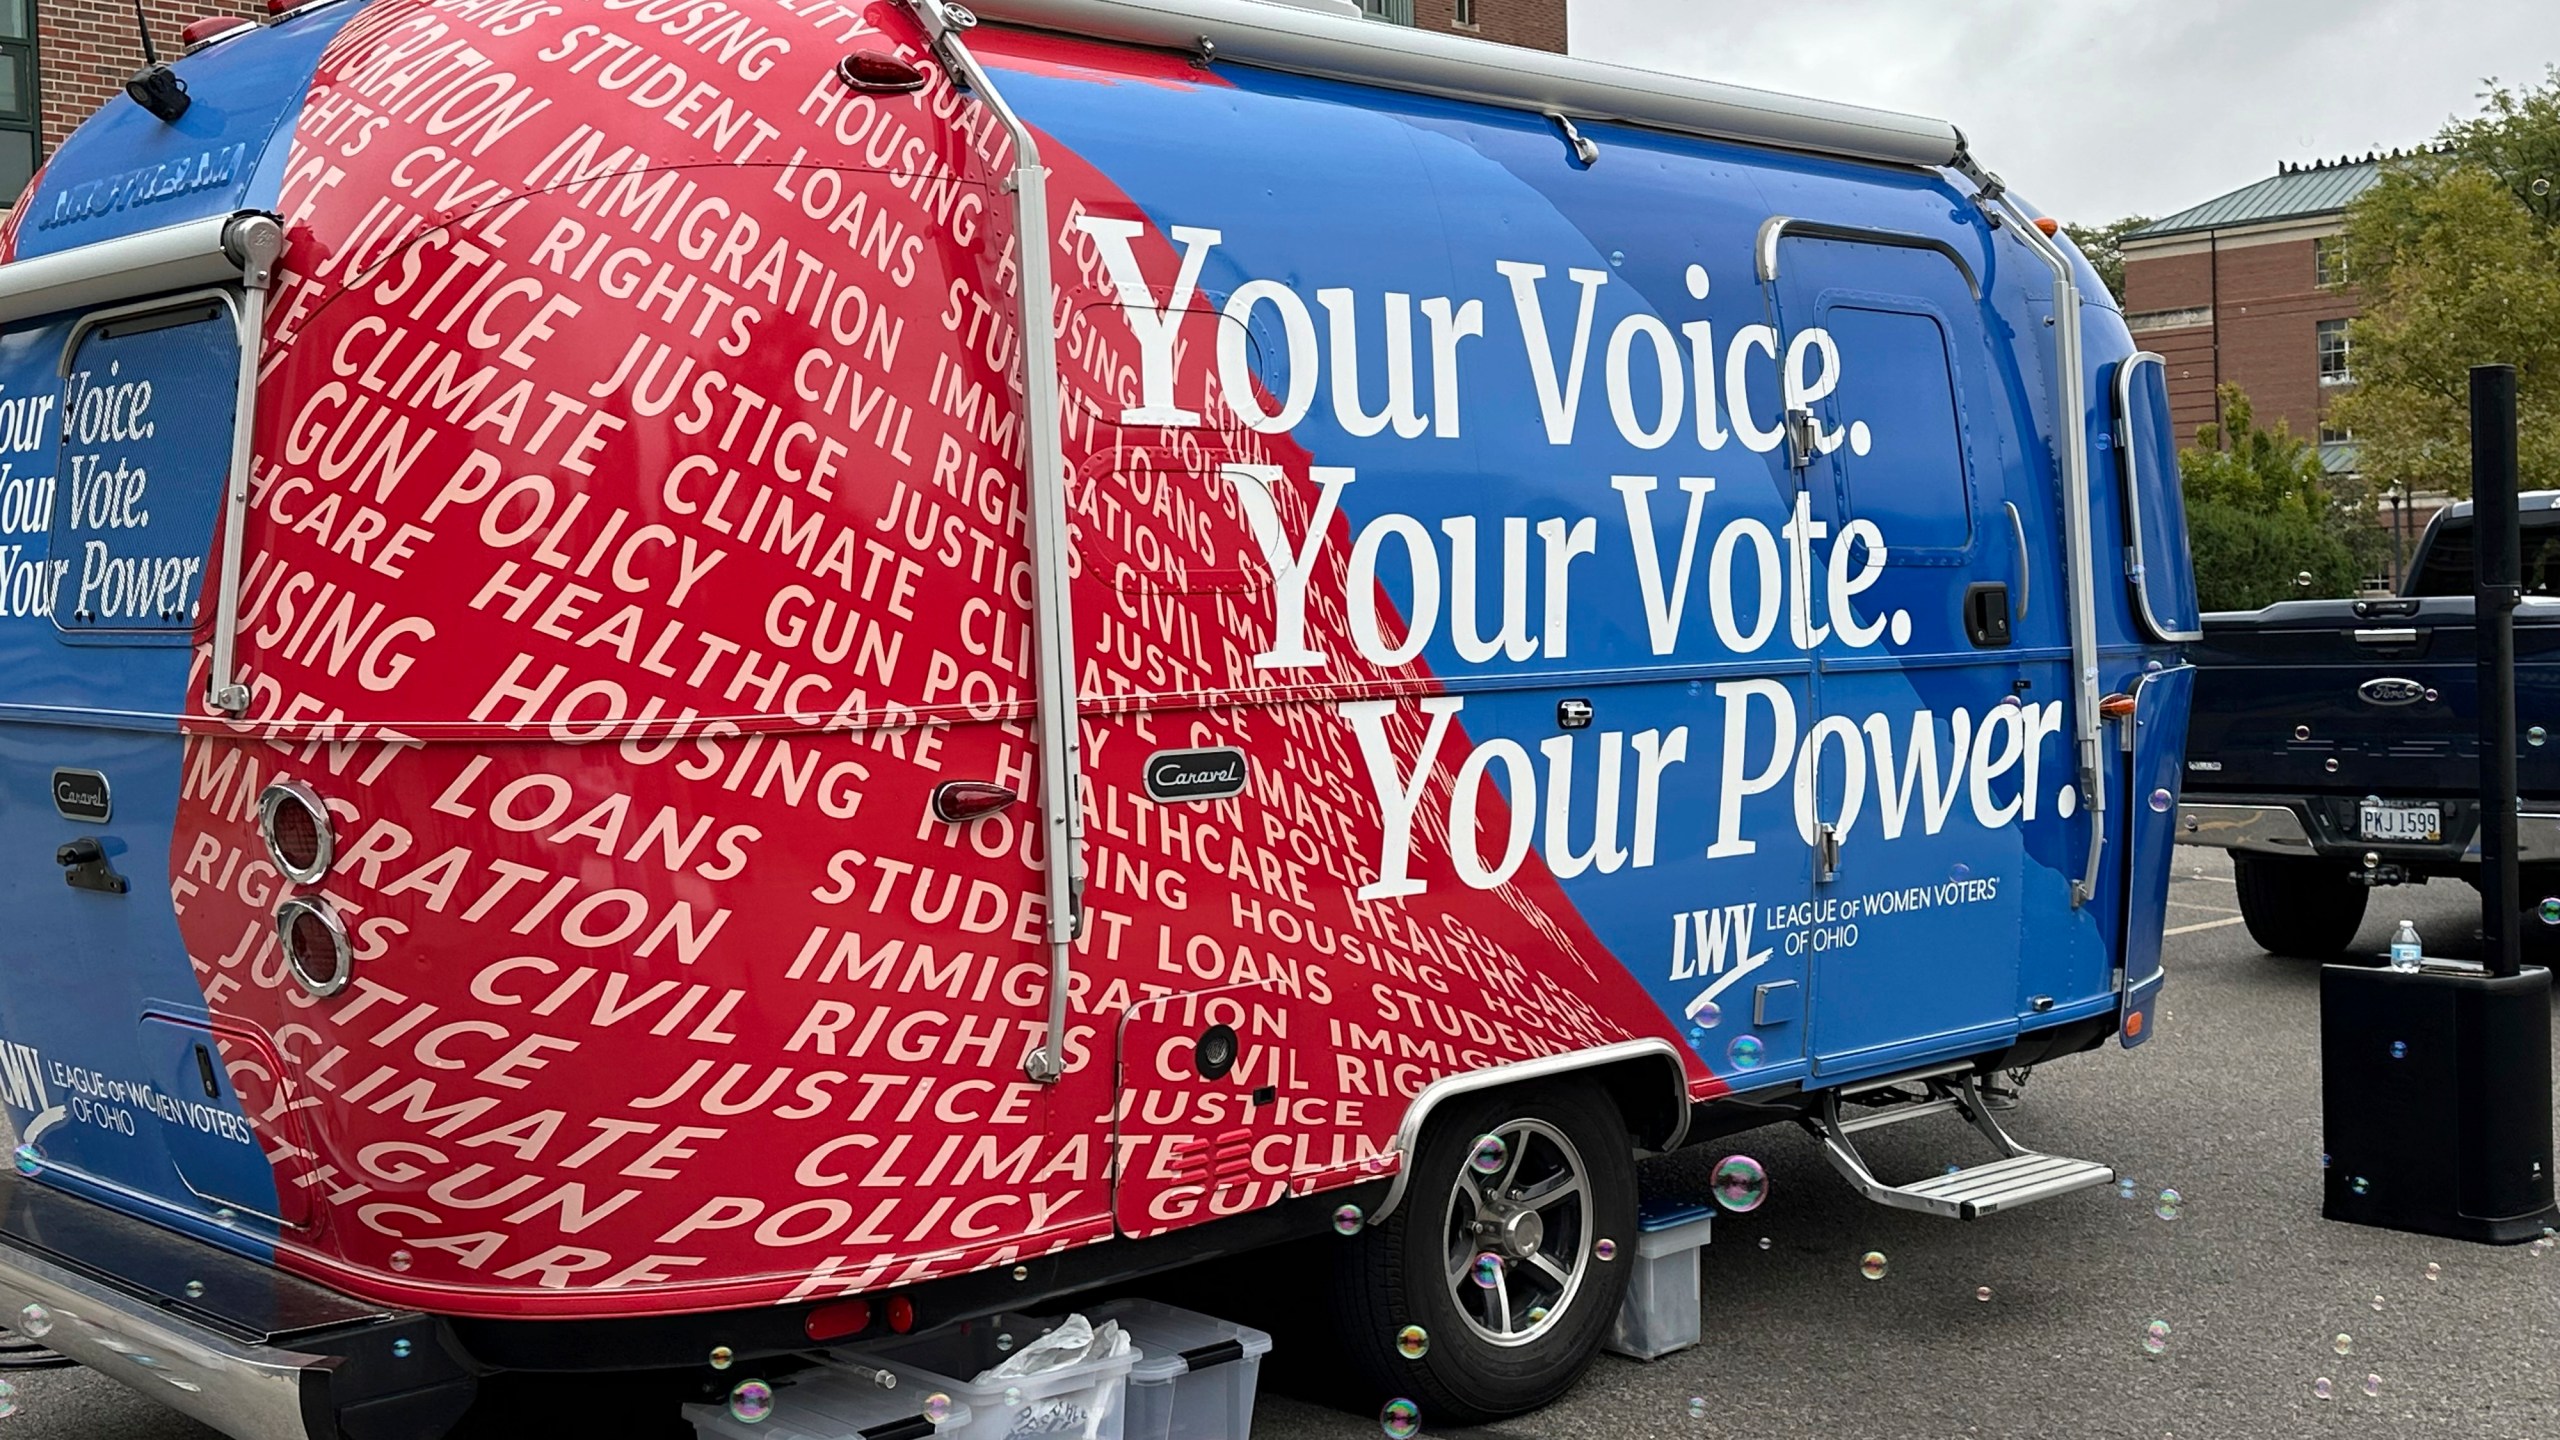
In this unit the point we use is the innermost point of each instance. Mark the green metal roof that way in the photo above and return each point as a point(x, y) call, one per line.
point(2324, 190)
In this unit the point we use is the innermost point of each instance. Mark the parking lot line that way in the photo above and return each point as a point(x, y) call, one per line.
point(2201, 925)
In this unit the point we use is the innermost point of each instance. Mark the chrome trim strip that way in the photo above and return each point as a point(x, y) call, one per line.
point(1338, 47)
point(171, 258)
point(1779, 227)
point(254, 1392)
point(2406, 636)
point(2271, 829)
point(2132, 503)
point(1052, 613)
point(1409, 1134)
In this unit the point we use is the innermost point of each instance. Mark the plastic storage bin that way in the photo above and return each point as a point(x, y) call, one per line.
point(1197, 1377)
point(1081, 1402)
point(828, 1403)
point(1661, 1310)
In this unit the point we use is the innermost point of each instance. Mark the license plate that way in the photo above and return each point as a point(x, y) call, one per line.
point(2401, 822)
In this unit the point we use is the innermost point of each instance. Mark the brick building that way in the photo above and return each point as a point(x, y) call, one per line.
point(61, 59)
point(1538, 24)
point(2251, 289)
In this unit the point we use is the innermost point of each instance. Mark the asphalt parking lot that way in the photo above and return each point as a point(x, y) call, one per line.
point(2255, 1286)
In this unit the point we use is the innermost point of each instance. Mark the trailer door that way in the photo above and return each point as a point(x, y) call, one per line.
point(1933, 742)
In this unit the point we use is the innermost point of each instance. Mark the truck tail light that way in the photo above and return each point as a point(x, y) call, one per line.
point(315, 945)
point(902, 1314)
point(294, 821)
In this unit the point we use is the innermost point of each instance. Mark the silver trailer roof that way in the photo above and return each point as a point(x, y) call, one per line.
point(1328, 38)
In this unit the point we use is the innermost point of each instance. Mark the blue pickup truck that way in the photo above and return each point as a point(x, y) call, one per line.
point(2335, 744)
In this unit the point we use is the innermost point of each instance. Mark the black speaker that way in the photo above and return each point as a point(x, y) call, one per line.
point(2436, 1101)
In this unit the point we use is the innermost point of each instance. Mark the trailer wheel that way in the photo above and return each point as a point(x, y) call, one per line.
point(1562, 1195)
point(2310, 909)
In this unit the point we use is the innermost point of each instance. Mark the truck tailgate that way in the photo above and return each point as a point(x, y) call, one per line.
point(2363, 697)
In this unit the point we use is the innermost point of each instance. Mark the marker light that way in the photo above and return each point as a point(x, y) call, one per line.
point(200, 33)
point(844, 1317)
point(960, 801)
point(872, 73)
point(2048, 224)
point(315, 945)
point(902, 1314)
point(295, 823)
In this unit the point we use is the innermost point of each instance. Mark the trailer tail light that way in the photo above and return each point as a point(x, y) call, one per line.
point(844, 1317)
point(961, 801)
point(315, 945)
point(872, 73)
point(902, 1314)
point(295, 823)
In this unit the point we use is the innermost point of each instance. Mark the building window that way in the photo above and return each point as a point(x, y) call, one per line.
point(1394, 12)
point(2329, 260)
point(2334, 369)
point(2333, 433)
point(1467, 13)
point(19, 114)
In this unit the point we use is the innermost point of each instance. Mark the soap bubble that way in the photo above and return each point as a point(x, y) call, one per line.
point(1606, 1249)
point(2161, 801)
point(2399, 1049)
point(2540, 186)
point(1401, 1420)
point(937, 1407)
point(35, 1322)
point(1346, 1221)
point(1697, 1407)
point(1764, 1242)
point(2155, 1337)
point(2303, 579)
point(751, 1402)
point(1709, 1014)
point(1487, 1270)
point(2124, 1187)
point(2377, 1304)
point(402, 1349)
point(1487, 1157)
point(2549, 910)
point(2434, 1271)
point(1872, 1264)
point(401, 1260)
point(2169, 1206)
point(2359, 1184)
point(1982, 1293)
point(195, 1289)
point(1740, 1184)
point(1746, 1052)
point(2536, 736)
point(1960, 871)
point(722, 1357)
point(1537, 1315)
point(1012, 1394)
point(2320, 1387)
point(8, 1399)
point(29, 1162)
point(1004, 1342)
point(1413, 1342)
point(2372, 1386)
point(2344, 1343)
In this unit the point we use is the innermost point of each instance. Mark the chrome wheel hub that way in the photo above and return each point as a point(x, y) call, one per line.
point(1520, 1236)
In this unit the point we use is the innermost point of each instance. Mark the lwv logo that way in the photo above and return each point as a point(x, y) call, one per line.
point(1710, 942)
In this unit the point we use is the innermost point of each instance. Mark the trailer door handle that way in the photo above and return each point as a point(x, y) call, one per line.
point(2026, 564)
point(1986, 614)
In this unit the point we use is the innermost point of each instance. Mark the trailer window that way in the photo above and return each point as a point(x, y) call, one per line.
point(148, 396)
point(1897, 394)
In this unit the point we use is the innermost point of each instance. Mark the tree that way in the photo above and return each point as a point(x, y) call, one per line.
point(2457, 251)
point(2262, 512)
point(2104, 245)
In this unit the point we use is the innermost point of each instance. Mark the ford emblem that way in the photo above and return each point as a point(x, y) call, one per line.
point(2392, 690)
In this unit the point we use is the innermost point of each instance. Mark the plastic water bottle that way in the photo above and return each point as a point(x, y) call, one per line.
point(2405, 947)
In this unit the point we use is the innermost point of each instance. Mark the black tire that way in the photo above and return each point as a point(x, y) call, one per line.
point(1398, 1272)
point(2310, 909)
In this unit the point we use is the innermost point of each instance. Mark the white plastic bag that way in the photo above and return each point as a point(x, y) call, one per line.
point(1075, 1341)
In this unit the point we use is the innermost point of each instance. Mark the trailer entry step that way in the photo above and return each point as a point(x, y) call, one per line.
point(2019, 1177)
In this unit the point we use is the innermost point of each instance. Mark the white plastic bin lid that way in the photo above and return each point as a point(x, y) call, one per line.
point(1688, 1235)
point(1177, 1342)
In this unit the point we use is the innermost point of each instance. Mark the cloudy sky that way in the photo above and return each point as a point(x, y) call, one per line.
point(2099, 108)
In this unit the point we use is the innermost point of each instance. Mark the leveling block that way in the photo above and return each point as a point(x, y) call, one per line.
point(2436, 1100)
